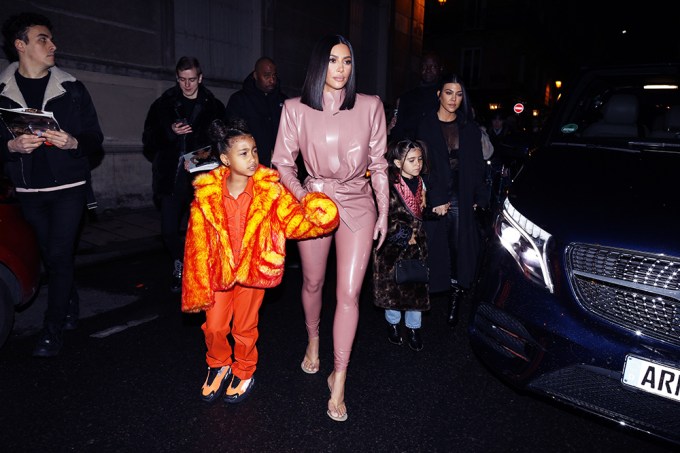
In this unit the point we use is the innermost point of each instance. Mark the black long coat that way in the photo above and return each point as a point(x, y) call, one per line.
point(400, 225)
point(471, 190)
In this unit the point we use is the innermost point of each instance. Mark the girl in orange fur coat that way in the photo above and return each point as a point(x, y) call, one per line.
point(239, 221)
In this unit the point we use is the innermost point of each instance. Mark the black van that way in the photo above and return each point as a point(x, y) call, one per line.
point(579, 294)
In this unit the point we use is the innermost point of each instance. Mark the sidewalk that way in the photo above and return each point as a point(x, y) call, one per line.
point(118, 233)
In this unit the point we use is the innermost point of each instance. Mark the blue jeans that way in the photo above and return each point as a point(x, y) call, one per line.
point(56, 219)
point(412, 318)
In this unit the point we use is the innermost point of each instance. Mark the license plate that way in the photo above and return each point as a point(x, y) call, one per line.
point(652, 377)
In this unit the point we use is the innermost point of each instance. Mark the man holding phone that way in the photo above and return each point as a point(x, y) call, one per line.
point(177, 123)
point(52, 184)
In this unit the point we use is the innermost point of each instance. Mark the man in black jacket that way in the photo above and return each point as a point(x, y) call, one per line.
point(419, 101)
point(259, 103)
point(50, 169)
point(177, 123)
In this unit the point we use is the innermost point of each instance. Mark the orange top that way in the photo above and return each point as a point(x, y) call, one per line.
point(237, 210)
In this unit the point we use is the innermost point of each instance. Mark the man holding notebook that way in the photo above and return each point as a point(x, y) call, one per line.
point(49, 168)
point(176, 124)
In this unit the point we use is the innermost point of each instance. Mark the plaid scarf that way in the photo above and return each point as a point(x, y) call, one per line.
point(413, 202)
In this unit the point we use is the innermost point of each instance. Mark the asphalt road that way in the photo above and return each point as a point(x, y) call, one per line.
point(129, 379)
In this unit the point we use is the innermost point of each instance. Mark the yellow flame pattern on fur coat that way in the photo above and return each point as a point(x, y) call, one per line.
point(274, 216)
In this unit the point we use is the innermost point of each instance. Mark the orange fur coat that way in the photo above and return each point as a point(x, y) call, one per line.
point(274, 216)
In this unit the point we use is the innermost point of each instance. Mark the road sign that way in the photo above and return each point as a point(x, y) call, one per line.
point(518, 108)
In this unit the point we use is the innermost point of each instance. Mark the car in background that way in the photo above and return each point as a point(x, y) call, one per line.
point(578, 297)
point(19, 260)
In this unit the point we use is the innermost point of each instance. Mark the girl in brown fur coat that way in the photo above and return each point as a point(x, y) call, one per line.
point(405, 240)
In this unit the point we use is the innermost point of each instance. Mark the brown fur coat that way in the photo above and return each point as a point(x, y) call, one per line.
point(386, 292)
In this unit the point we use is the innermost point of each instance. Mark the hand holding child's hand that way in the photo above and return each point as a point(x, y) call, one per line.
point(441, 209)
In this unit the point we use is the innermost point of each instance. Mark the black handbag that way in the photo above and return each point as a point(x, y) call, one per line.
point(411, 271)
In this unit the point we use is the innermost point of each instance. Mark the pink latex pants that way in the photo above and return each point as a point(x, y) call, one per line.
point(353, 251)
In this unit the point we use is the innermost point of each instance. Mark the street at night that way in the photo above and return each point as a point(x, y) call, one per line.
point(129, 379)
point(543, 136)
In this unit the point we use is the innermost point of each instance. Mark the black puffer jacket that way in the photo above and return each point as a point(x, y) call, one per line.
point(261, 112)
point(73, 109)
point(162, 147)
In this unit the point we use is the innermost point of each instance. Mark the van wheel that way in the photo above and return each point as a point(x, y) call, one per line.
point(6, 313)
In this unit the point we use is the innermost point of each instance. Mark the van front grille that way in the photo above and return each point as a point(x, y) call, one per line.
point(637, 290)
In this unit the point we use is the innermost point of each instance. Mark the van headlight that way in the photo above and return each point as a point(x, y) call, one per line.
point(527, 243)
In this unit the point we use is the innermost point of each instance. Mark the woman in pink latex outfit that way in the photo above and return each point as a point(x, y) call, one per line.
point(341, 134)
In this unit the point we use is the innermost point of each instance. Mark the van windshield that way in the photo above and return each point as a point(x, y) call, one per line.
point(616, 107)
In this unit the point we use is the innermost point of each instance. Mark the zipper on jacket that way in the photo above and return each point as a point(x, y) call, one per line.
point(23, 177)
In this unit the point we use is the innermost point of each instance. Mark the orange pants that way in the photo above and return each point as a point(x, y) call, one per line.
point(236, 312)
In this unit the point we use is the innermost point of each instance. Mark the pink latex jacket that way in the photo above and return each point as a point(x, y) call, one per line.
point(337, 146)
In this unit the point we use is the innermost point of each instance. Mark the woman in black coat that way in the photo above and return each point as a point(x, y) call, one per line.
point(455, 189)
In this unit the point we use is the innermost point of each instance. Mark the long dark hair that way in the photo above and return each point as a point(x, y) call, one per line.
point(464, 112)
point(398, 150)
point(315, 80)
